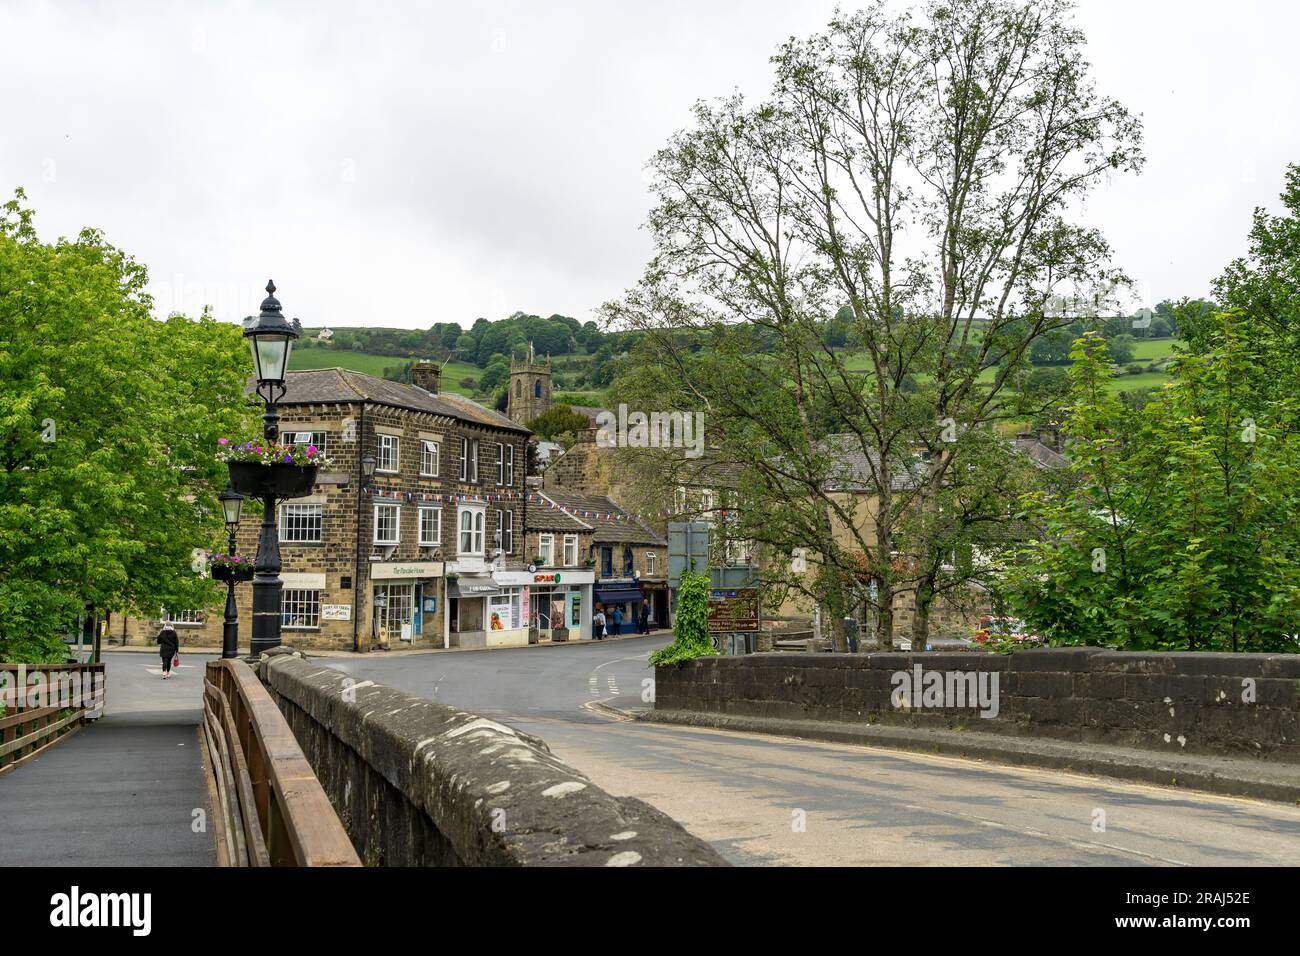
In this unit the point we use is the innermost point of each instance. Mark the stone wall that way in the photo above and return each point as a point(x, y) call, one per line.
point(417, 783)
point(1195, 703)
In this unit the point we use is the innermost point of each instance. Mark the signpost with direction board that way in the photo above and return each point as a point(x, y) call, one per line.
point(733, 610)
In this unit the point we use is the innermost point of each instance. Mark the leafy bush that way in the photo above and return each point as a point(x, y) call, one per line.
point(691, 630)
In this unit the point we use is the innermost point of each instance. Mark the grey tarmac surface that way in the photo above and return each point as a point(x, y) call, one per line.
point(770, 800)
point(123, 790)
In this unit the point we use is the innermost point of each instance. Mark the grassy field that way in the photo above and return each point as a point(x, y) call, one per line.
point(308, 358)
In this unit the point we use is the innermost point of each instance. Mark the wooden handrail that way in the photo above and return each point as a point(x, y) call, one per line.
point(272, 811)
point(37, 713)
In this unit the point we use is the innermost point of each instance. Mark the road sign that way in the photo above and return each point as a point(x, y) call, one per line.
point(733, 610)
point(688, 549)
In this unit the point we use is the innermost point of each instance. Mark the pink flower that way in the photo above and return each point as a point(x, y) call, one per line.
point(223, 441)
point(311, 450)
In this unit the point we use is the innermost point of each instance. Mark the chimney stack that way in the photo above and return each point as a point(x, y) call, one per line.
point(426, 375)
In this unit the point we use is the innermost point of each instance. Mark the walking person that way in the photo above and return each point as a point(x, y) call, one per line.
point(618, 619)
point(168, 645)
point(645, 618)
point(598, 626)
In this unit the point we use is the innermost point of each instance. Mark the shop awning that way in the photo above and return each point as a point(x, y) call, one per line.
point(474, 586)
point(619, 596)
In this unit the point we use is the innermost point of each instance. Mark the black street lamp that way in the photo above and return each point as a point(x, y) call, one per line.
point(232, 503)
point(270, 337)
point(363, 486)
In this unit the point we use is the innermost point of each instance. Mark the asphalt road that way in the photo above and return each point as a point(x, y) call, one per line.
point(772, 800)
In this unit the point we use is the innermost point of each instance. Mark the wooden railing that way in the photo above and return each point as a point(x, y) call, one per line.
point(271, 809)
point(37, 715)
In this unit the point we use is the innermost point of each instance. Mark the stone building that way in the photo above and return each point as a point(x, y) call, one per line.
point(590, 553)
point(427, 552)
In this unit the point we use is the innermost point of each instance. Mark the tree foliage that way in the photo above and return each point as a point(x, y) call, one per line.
point(921, 172)
point(110, 420)
point(1180, 530)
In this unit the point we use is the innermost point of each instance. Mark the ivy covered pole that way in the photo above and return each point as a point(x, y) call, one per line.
point(691, 629)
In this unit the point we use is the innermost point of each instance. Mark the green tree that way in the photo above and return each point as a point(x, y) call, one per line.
point(1180, 531)
point(558, 421)
point(921, 170)
point(110, 420)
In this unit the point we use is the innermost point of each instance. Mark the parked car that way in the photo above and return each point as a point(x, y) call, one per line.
point(997, 629)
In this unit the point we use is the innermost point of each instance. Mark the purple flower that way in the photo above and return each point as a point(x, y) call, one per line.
point(288, 458)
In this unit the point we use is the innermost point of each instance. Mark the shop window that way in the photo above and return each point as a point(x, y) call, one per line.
point(300, 608)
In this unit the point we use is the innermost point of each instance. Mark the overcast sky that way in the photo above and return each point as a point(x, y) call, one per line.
point(400, 164)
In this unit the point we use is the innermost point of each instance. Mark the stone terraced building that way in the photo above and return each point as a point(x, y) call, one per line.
point(429, 552)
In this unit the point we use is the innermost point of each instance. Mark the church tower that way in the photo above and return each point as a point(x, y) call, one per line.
point(530, 388)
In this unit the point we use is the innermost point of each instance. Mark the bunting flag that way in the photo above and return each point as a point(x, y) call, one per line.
point(503, 496)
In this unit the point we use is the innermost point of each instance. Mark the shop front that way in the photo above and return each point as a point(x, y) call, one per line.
point(623, 594)
point(404, 603)
point(655, 595)
point(488, 610)
point(560, 600)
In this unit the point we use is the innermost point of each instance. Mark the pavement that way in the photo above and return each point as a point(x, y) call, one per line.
point(781, 801)
point(397, 650)
point(126, 790)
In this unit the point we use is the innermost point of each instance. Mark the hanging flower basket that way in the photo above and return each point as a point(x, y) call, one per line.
point(226, 573)
point(282, 481)
point(231, 567)
point(261, 468)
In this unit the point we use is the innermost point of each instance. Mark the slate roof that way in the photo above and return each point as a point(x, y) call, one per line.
point(326, 386)
point(625, 530)
point(1043, 455)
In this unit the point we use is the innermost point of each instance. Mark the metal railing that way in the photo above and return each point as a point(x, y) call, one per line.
point(43, 703)
point(271, 809)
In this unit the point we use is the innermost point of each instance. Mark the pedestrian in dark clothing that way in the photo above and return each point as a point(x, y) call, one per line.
point(168, 645)
point(598, 626)
point(618, 621)
point(645, 619)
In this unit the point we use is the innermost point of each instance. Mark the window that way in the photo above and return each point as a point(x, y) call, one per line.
point(504, 610)
point(430, 453)
point(471, 531)
point(398, 607)
point(650, 562)
point(570, 550)
point(510, 464)
point(537, 389)
point(469, 460)
point(187, 618)
point(501, 463)
point(307, 438)
point(627, 562)
point(300, 523)
point(430, 527)
point(546, 548)
point(505, 531)
point(387, 523)
point(387, 458)
point(300, 608)
point(606, 562)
